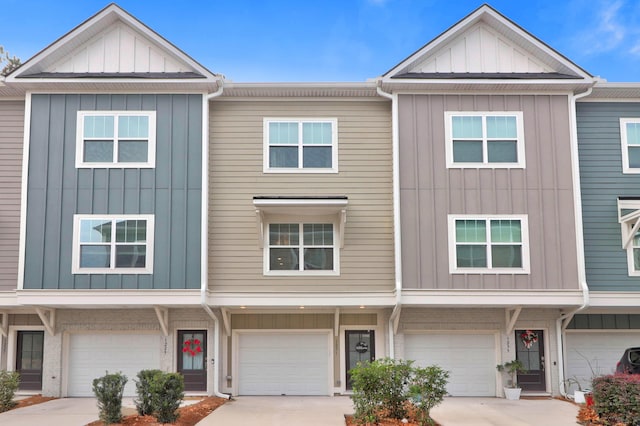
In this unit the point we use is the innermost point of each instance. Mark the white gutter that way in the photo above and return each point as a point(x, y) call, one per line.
point(565, 319)
point(395, 143)
point(204, 243)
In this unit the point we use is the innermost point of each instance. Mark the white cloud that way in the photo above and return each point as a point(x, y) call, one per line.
point(610, 31)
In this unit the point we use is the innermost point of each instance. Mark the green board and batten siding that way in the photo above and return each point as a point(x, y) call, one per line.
point(57, 190)
point(602, 182)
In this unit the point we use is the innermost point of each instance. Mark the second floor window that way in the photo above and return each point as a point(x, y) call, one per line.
point(116, 139)
point(630, 140)
point(301, 247)
point(300, 145)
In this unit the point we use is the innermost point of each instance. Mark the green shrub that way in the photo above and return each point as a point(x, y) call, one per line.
point(427, 388)
point(617, 398)
point(144, 402)
point(9, 382)
point(108, 390)
point(167, 391)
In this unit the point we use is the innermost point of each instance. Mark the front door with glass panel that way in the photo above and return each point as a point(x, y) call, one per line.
point(530, 351)
point(360, 347)
point(30, 345)
point(192, 359)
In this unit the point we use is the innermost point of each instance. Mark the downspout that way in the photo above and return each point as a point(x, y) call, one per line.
point(395, 144)
point(204, 243)
point(563, 321)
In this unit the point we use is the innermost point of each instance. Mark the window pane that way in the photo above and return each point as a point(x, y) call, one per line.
point(633, 133)
point(316, 133)
point(95, 256)
point(471, 231)
point(98, 152)
point(284, 234)
point(634, 157)
point(502, 152)
point(471, 256)
point(318, 259)
point(466, 127)
point(318, 234)
point(506, 256)
point(501, 127)
point(136, 126)
point(506, 231)
point(283, 157)
point(131, 231)
point(98, 126)
point(283, 133)
point(131, 256)
point(636, 259)
point(133, 151)
point(467, 151)
point(95, 231)
point(283, 259)
point(316, 157)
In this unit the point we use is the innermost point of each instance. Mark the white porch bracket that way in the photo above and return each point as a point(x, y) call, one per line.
point(4, 325)
point(226, 321)
point(343, 222)
point(336, 322)
point(260, 227)
point(511, 316)
point(395, 318)
point(566, 319)
point(163, 316)
point(48, 318)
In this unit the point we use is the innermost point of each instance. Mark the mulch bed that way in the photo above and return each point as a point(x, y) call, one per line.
point(32, 400)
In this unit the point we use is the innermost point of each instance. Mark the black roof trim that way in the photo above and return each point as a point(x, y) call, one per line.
point(303, 197)
point(141, 75)
point(485, 76)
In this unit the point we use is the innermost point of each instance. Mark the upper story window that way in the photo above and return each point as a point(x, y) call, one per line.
point(301, 247)
point(630, 138)
point(488, 244)
point(113, 244)
point(116, 139)
point(484, 139)
point(293, 145)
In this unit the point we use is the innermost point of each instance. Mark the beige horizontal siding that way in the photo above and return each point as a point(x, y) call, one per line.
point(11, 140)
point(236, 176)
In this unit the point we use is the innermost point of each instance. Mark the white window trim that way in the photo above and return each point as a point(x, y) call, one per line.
point(521, 164)
point(454, 269)
point(151, 144)
point(75, 263)
point(625, 146)
point(303, 219)
point(300, 169)
point(629, 226)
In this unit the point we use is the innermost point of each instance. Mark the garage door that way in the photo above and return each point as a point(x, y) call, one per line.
point(90, 355)
point(283, 364)
point(470, 359)
point(599, 351)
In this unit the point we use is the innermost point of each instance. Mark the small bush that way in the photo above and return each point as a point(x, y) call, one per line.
point(144, 402)
point(167, 391)
point(617, 398)
point(9, 382)
point(108, 390)
point(427, 388)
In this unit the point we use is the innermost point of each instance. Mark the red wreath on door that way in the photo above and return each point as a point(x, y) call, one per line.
point(528, 337)
point(192, 347)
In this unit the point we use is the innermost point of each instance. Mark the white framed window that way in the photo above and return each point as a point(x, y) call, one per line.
point(300, 145)
point(116, 139)
point(113, 244)
point(629, 219)
point(630, 142)
point(484, 139)
point(301, 248)
point(488, 244)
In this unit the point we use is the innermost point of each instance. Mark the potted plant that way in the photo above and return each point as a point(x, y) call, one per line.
point(512, 368)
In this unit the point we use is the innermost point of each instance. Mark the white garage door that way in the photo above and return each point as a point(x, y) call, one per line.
point(599, 351)
point(470, 359)
point(283, 364)
point(90, 355)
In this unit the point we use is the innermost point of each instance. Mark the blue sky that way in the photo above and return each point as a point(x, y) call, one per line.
point(336, 40)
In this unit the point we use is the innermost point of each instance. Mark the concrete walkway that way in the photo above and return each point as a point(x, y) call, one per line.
point(59, 412)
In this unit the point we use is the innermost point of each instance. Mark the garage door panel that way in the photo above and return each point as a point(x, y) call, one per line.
point(597, 351)
point(283, 364)
point(91, 355)
point(470, 359)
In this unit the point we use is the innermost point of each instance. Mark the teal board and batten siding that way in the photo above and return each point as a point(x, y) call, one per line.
point(57, 190)
point(602, 182)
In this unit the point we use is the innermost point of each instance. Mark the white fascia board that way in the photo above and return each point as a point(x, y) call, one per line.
point(315, 206)
point(291, 299)
point(485, 81)
point(107, 298)
point(8, 299)
point(491, 298)
point(613, 299)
